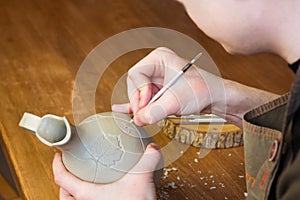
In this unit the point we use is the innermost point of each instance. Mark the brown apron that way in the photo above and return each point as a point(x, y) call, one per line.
point(271, 142)
point(262, 129)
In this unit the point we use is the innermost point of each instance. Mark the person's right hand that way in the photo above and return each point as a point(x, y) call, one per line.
point(196, 91)
point(190, 94)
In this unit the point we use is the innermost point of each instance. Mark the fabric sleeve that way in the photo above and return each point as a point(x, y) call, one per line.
point(288, 186)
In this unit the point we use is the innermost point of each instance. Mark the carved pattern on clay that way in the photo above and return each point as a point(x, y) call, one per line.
point(128, 128)
point(106, 152)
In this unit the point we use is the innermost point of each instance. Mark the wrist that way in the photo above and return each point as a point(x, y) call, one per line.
point(241, 98)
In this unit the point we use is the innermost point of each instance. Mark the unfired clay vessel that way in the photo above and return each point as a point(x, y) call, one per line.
point(101, 149)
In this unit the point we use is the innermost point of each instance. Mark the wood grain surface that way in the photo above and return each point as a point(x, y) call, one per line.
point(43, 44)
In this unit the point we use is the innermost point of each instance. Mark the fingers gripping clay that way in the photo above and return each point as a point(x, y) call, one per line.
point(101, 149)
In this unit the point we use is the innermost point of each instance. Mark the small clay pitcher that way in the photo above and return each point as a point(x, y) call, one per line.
point(101, 149)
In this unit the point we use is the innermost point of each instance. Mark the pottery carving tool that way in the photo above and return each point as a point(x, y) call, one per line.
point(197, 119)
point(174, 79)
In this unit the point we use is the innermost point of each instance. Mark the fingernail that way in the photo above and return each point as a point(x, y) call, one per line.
point(154, 146)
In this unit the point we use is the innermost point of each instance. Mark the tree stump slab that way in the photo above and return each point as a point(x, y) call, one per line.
point(204, 135)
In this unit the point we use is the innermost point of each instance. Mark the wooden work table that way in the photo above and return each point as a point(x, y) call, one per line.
point(43, 44)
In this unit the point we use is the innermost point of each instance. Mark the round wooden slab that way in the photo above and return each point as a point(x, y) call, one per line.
point(204, 135)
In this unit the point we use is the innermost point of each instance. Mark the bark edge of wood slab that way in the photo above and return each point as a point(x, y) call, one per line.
point(204, 135)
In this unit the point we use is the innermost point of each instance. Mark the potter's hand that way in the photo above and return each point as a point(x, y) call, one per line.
point(196, 91)
point(132, 186)
point(188, 95)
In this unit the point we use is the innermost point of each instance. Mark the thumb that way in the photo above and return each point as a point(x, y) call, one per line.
point(156, 111)
point(150, 161)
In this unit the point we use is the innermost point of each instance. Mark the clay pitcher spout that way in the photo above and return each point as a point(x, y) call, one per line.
point(49, 129)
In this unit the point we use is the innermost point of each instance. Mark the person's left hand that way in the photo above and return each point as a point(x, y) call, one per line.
point(137, 184)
